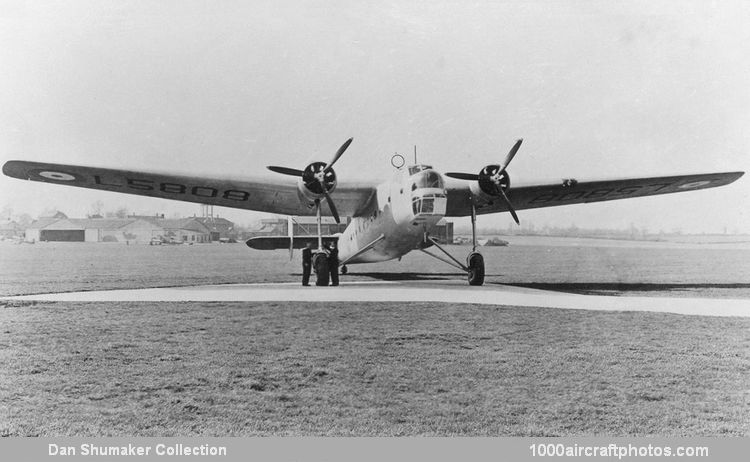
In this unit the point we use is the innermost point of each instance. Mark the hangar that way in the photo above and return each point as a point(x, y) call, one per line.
point(92, 230)
point(131, 230)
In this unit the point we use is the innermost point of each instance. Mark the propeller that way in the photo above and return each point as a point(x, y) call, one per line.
point(493, 179)
point(338, 154)
point(331, 206)
point(318, 177)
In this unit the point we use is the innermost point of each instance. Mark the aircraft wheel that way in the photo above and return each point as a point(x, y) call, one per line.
point(320, 263)
point(476, 269)
point(344, 269)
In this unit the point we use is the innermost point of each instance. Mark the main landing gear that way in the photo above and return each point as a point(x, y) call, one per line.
point(476, 269)
point(320, 260)
point(474, 262)
point(320, 265)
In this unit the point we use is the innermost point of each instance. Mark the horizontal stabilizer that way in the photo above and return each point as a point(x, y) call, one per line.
point(282, 242)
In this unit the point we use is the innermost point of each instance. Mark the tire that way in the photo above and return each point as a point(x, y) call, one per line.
point(475, 263)
point(344, 269)
point(320, 263)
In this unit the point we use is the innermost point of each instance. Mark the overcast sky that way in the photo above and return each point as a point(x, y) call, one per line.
point(596, 89)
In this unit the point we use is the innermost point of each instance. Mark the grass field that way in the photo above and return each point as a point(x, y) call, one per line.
point(576, 265)
point(366, 369)
point(370, 369)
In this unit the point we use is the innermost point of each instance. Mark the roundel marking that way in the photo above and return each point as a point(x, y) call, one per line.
point(694, 184)
point(57, 176)
point(54, 175)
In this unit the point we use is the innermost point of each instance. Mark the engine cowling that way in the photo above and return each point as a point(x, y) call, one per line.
point(490, 183)
point(310, 185)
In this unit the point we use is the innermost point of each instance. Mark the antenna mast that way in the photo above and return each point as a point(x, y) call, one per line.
point(415, 154)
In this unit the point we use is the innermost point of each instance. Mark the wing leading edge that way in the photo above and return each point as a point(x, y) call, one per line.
point(273, 196)
point(282, 242)
point(566, 192)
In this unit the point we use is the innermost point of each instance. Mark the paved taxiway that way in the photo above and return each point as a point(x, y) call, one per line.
point(432, 291)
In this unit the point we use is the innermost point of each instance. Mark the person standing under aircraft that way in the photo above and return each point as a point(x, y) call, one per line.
point(306, 264)
point(333, 263)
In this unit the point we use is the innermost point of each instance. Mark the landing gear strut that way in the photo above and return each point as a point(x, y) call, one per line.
point(320, 257)
point(474, 262)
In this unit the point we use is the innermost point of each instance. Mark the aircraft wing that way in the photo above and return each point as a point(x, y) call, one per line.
point(282, 242)
point(263, 195)
point(571, 191)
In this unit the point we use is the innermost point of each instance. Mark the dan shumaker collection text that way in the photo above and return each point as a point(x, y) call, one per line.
point(130, 450)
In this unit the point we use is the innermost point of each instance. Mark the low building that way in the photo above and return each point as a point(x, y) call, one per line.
point(218, 228)
point(189, 230)
point(443, 231)
point(125, 230)
point(9, 229)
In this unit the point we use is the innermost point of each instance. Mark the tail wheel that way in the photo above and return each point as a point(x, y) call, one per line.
point(476, 269)
point(320, 263)
point(344, 269)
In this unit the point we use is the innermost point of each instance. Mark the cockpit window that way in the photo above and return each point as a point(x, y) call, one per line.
point(418, 168)
point(428, 179)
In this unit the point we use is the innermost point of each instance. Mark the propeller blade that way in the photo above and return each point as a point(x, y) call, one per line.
point(510, 206)
point(285, 170)
point(463, 176)
point(510, 155)
point(338, 154)
point(331, 206)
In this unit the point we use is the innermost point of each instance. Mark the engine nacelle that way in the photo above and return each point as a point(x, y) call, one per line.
point(490, 183)
point(314, 179)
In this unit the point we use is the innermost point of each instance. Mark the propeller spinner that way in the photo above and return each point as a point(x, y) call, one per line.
point(319, 177)
point(493, 179)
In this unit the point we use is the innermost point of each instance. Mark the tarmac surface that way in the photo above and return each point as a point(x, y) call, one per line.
point(389, 291)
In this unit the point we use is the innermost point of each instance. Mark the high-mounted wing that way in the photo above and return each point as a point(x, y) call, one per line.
point(571, 191)
point(263, 195)
point(282, 242)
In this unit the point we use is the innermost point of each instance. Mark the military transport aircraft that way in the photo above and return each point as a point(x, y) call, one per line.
point(389, 218)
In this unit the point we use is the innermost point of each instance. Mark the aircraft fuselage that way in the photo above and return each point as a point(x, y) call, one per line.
point(404, 210)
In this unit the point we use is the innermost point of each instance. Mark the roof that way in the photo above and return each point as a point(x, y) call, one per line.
point(190, 224)
point(216, 223)
point(153, 219)
point(83, 223)
point(101, 223)
point(43, 222)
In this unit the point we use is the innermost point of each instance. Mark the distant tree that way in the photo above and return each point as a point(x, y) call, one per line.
point(24, 220)
point(97, 208)
point(49, 212)
point(121, 212)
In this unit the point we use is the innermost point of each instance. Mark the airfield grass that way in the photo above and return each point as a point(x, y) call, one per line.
point(367, 369)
